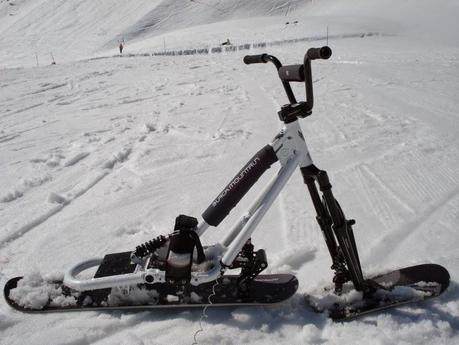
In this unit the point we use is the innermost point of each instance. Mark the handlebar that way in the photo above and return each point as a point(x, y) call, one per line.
point(312, 54)
point(295, 73)
point(319, 53)
point(249, 59)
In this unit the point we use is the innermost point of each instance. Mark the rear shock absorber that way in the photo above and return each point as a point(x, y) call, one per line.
point(149, 247)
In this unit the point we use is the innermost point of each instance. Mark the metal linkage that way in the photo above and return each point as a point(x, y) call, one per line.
point(252, 264)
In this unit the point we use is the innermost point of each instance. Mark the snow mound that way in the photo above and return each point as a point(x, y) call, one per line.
point(35, 291)
point(327, 300)
point(132, 296)
point(23, 186)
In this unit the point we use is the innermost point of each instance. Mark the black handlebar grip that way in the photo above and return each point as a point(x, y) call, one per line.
point(319, 53)
point(249, 59)
point(292, 73)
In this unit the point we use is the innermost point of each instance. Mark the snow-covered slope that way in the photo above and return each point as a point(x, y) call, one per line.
point(67, 29)
point(37, 31)
point(97, 156)
point(74, 29)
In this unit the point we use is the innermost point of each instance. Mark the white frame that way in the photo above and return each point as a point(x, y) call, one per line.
point(291, 150)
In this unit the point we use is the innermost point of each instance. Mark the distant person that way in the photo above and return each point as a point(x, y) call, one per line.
point(227, 43)
point(121, 47)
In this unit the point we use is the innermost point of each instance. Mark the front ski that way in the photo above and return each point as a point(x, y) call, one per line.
point(56, 297)
point(401, 286)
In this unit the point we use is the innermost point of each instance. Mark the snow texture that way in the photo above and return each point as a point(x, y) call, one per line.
point(325, 300)
point(100, 152)
point(132, 296)
point(34, 291)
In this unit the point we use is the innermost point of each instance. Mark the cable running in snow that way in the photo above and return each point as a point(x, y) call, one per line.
point(204, 310)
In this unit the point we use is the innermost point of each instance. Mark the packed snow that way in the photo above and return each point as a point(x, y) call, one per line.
point(100, 152)
point(35, 291)
point(324, 299)
point(133, 296)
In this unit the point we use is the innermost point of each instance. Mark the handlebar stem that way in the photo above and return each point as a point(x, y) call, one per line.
point(304, 108)
point(308, 83)
point(286, 84)
point(313, 53)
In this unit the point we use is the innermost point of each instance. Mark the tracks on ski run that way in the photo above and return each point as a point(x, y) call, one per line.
point(58, 200)
point(427, 219)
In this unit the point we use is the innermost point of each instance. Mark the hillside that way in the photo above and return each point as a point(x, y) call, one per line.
point(76, 29)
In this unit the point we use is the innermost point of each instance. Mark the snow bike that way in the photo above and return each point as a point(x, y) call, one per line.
point(177, 271)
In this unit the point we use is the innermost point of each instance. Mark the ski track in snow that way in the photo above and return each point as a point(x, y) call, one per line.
point(392, 241)
point(80, 187)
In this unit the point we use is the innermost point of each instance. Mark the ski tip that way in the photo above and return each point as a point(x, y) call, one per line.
point(431, 272)
point(445, 277)
point(10, 285)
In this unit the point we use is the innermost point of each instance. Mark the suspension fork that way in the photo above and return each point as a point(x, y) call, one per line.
point(337, 230)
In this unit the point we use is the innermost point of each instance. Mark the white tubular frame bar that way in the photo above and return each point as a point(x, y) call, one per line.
point(291, 150)
point(258, 209)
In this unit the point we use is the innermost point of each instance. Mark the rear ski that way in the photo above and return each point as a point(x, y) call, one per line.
point(266, 289)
